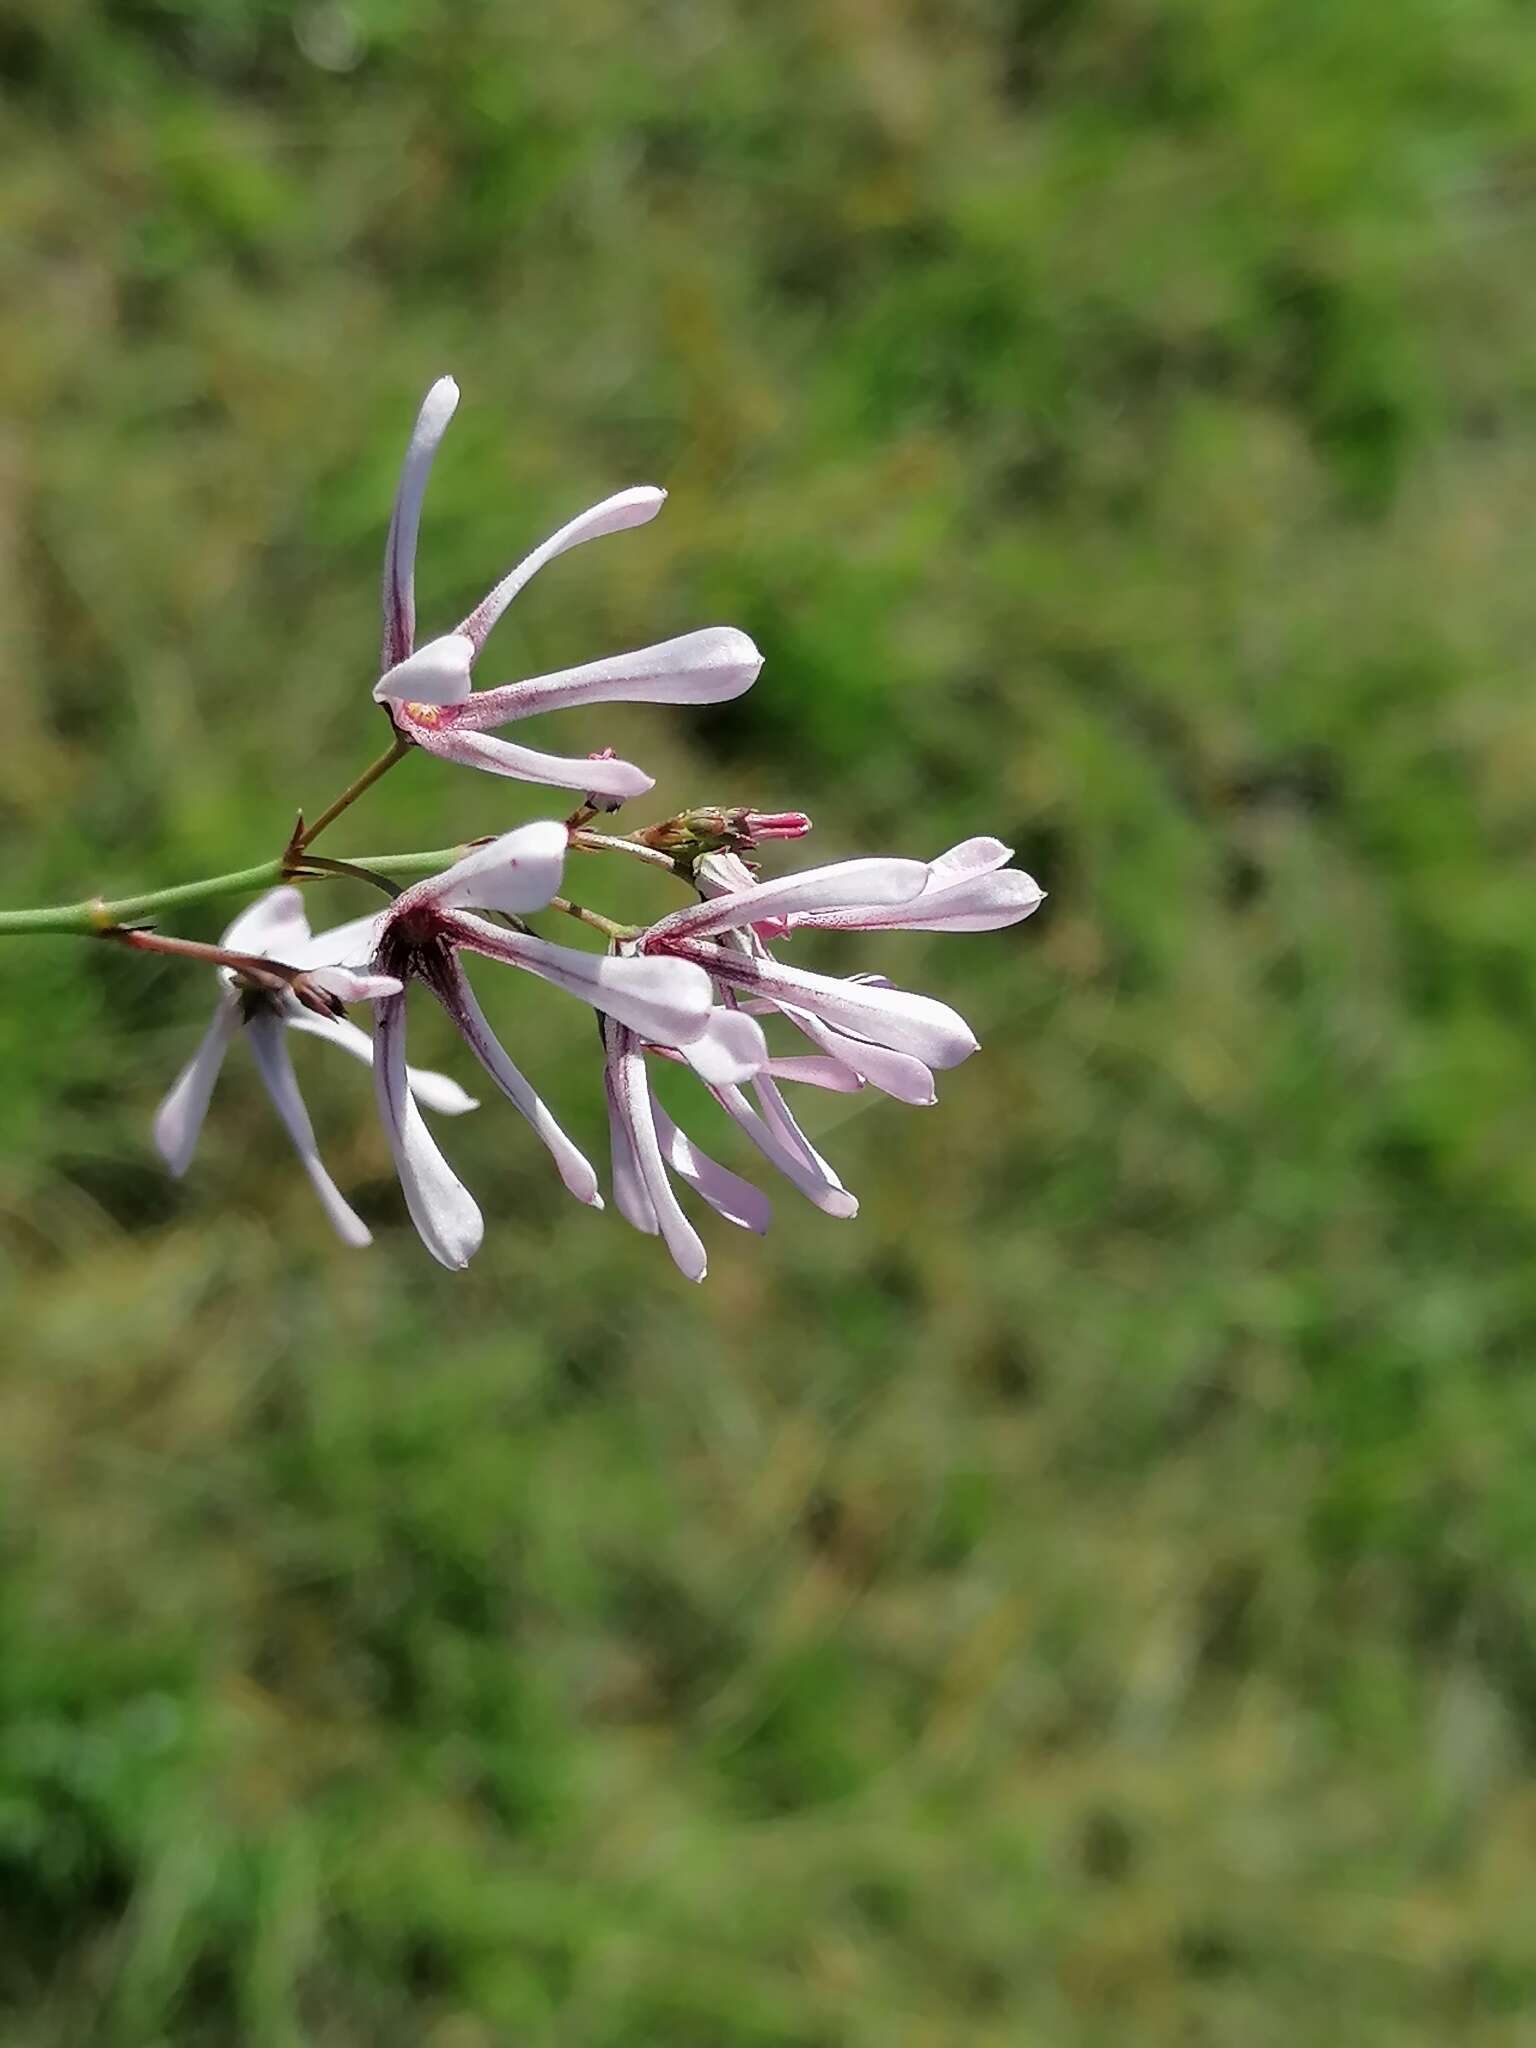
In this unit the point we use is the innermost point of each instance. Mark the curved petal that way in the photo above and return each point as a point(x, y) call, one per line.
point(434, 1091)
point(353, 944)
point(978, 856)
point(707, 667)
point(519, 871)
point(442, 1208)
point(274, 926)
point(629, 1191)
point(627, 508)
point(930, 1031)
point(726, 1193)
point(458, 999)
point(813, 1072)
point(843, 883)
point(268, 1044)
point(799, 1162)
point(435, 674)
point(437, 410)
point(632, 1093)
point(672, 1008)
point(457, 743)
point(179, 1119)
point(974, 903)
point(731, 1049)
point(349, 987)
point(896, 1074)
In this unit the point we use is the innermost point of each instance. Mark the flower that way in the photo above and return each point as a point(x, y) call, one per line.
point(420, 937)
point(427, 689)
point(863, 1029)
point(274, 927)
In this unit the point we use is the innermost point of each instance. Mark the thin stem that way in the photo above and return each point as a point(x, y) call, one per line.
point(349, 796)
point(605, 925)
point(95, 915)
point(604, 842)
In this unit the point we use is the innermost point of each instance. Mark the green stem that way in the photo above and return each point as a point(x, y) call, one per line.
point(599, 923)
point(349, 796)
point(95, 915)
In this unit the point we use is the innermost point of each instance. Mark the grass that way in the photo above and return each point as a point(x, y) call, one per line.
point(1087, 1598)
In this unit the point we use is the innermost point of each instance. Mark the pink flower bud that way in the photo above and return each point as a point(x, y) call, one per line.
point(776, 825)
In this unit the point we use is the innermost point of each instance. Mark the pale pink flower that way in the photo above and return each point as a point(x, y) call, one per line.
point(274, 927)
point(863, 1029)
point(428, 689)
point(420, 938)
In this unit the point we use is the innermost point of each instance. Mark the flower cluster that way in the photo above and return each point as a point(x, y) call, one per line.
point(695, 987)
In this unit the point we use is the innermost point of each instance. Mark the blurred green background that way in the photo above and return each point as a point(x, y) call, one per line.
point(1089, 1599)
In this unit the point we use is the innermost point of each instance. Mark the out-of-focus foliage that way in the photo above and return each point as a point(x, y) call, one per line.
point(1092, 1597)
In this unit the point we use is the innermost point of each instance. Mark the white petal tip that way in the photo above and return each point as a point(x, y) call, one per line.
point(435, 674)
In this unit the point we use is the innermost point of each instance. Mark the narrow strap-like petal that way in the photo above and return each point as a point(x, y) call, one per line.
point(707, 667)
point(432, 1090)
point(274, 926)
point(671, 1008)
point(630, 1194)
point(400, 549)
point(455, 742)
point(973, 903)
point(179, 1119)
point(844, 882)
point(633, 1092)
point(800, 1164)
point(442, 1208)
point(271, 1050)
point(930, 1031)
point(519, 871)
point(458, 999)
point(726, 1193)
point(435, 674)
point(811, 1071)
point(628, 508)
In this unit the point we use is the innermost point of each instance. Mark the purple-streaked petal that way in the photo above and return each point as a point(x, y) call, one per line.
point(812, 1071)
point(929, 1030)
point(628, 508)
point(179, 1118)
point(730, 1050)
point(799, 1162)
point(274, 926)
point(442, 1208)
point(432, 1090)
point(519, 871)
point(844, 882)
point(400, 548)
point(726, 1193)
point(630, 1196)
point(435, 674)
point(707, 667)
point(458, 999)
point(671, 1008)
point(454, 742)
point(270, 1047)
point(632, 1096)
